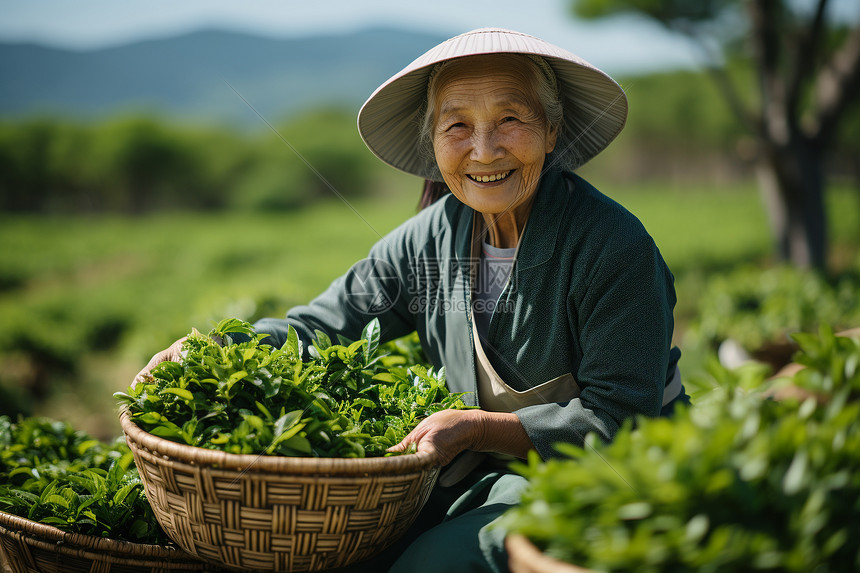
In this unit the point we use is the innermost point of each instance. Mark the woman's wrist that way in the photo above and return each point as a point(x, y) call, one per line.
point(500, 432)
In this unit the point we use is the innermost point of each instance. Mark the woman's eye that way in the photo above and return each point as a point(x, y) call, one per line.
point(510, 118)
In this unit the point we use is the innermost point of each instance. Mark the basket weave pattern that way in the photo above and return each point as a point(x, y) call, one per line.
point(275, 513)
point(30, 547)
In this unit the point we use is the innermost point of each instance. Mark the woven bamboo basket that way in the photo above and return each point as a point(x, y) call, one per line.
point(30, 547)
point(275, 513)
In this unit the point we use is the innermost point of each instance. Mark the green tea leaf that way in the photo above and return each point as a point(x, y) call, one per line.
point(293, 344)
point(371, 333)
point(181, 392)
point(322, 340)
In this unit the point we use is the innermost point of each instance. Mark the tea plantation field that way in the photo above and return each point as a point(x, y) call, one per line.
point(84, 302)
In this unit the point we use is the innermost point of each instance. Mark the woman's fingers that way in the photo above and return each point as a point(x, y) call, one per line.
point(442, 435)
point(524, 557)
point(413, 437)
point(447, 433)
point(172, 352)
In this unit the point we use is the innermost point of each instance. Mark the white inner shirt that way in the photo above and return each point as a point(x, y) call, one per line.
point(493, 272)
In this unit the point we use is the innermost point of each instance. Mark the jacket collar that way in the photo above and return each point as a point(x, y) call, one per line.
point(544, 224)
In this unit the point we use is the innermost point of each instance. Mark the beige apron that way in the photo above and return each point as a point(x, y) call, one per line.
point(496, 396)
point(493, 394)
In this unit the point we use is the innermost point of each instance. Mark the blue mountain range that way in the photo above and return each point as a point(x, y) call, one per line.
point(189, 77)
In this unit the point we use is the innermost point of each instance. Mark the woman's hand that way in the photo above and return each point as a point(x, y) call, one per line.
point(524, 557)
point(172, 352)
point(445, 434)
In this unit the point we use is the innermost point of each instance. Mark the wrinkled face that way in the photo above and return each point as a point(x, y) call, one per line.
point(490, 136)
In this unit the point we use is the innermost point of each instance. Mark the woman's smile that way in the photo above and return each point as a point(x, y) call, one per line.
point(492, 178)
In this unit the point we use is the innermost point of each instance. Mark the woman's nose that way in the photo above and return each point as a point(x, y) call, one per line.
point(485, 146)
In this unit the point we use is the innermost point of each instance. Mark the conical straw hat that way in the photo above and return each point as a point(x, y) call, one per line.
point(595, 106)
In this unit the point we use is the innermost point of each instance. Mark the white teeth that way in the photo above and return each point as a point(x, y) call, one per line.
point(489, 178)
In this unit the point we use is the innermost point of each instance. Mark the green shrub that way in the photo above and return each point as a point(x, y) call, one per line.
point(56, 475)
point(755, 306)
point(737, 482)
point(140, 164)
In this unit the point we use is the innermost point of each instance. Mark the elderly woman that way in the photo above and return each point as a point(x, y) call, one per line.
point(546, 301)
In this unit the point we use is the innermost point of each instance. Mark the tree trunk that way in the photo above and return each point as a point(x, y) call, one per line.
point(792, 184)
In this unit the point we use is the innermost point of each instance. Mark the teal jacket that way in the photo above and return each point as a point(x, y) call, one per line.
point(589, 295)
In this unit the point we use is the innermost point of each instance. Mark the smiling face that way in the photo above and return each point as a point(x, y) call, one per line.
point(490, 136)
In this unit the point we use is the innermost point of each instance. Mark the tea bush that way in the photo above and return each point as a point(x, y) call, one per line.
point(738, 482)
point(756, 307)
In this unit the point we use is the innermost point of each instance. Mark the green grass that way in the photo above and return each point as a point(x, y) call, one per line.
point(711, 227)
point(106, 293)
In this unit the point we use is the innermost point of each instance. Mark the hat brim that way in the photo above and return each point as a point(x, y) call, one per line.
point(595, 106)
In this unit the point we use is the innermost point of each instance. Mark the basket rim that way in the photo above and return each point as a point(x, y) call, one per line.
point(261, 463)
point(11, 523)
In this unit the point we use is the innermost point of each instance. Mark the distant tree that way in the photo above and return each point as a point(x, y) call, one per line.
point(808, 76)
point(144, 161)
point(25, 166)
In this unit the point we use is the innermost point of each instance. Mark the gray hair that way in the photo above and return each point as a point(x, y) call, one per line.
point(564, 156)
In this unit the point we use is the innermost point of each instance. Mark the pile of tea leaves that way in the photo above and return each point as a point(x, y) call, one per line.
point(233, 392)
point(56, 475)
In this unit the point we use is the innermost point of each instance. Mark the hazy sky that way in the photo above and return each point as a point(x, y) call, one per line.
point(620, 45)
